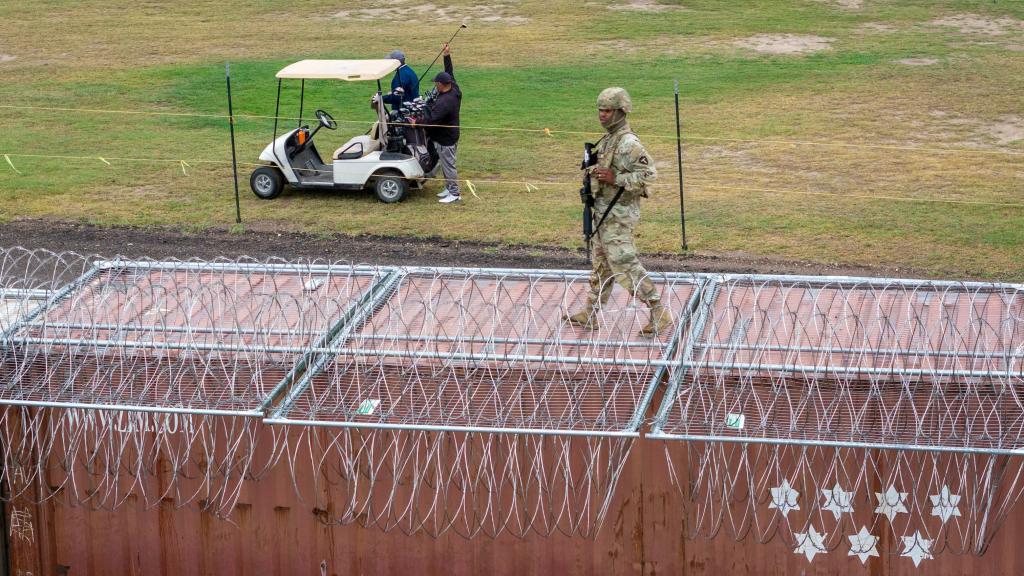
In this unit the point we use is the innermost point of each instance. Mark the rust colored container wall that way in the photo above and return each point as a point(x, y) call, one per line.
point(272, 532)
point(274, 529)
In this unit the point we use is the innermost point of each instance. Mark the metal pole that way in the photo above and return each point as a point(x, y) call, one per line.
point(679, 160)
point(346, 351)
point(5, 496)
point(892, 353)
point(253, 413)
point(234, 157)
point(659, 435)
point(275, 419)
point(302, 99)
point(801, 370)
point(277, 108)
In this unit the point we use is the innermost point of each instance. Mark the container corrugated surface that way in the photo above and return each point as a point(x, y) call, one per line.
point(273, 532)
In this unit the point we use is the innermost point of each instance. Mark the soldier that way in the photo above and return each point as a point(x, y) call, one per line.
point(622, 163)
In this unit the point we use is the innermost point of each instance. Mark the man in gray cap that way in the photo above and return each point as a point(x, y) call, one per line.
point(623, 175)
point(405, 78)
point(442, 124)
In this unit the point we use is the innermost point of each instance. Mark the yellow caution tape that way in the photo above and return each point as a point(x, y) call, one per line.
point(532, 187)
point(11, 164)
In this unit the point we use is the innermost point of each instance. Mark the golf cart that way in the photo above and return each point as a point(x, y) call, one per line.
point(389, 159)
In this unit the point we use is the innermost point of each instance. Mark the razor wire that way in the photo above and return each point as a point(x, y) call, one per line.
point(864, 417)
point(102, 459)
point(151, 372)
point(849, 501)
point(469, 483)
point(155, 371)
point(422, 400)
point(464, 401)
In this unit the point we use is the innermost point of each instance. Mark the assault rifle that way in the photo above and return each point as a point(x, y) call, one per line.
point(587, 195)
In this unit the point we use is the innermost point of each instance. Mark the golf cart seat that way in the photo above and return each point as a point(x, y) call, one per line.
point(361, 145)
point(357, 148)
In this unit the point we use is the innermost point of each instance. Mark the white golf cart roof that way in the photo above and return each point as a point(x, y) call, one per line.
point(351, 70)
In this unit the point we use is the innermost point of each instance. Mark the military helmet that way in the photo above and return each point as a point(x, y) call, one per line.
point(615, 99)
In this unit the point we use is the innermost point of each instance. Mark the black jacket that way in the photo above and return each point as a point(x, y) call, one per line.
point(444, 114)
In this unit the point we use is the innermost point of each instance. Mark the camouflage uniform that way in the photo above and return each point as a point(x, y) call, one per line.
point(615, 257)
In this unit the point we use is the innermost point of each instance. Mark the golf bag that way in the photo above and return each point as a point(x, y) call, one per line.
point(406, 138)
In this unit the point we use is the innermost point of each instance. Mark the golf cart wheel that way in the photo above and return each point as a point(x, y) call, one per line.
point(266, 182)
point(390, 188)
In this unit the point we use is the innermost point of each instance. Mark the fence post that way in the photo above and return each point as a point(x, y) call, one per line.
point(679, 161)
point(234, 158)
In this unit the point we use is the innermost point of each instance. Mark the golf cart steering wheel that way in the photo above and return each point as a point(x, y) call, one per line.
point(326, 120)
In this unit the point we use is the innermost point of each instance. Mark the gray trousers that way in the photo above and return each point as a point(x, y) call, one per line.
point(446, 160)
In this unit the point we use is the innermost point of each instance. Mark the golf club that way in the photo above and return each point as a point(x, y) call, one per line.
point(440, 51)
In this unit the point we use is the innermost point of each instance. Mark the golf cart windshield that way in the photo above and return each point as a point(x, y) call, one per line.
point(351, 70)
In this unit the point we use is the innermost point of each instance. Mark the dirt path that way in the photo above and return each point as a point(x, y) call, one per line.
point(163, 243)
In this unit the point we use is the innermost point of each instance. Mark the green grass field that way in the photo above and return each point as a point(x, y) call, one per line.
point(919, 103)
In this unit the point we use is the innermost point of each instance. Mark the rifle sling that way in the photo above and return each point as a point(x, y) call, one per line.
point(613, 143)
point(608, 210)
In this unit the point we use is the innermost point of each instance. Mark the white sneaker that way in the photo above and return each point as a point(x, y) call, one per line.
point(450, 198)
point(443, 193)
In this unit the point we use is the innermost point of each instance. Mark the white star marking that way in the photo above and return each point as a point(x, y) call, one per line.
point(891, 503)
point(917, 548)
point(810, 543)
point(784, 498)
point(944, 504)
point(837, 501)
point(863, 544)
